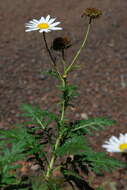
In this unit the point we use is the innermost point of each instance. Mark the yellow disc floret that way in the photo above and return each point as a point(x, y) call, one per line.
point(43, 26)
point(123, 147)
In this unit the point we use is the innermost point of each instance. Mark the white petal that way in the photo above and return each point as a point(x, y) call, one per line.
point(44, 30)
point(42, 20)
point(47, 18)
point(36, 21)
point(121, 138)
point(55, 23)
point(41, 30)
point(56, 28)
point(31, 29)
point(29, 24)
point(33, 26)
point(115, 139)
point(51, 20)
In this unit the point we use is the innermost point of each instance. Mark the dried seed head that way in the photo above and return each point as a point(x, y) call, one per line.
point(61, 43)
point(92, 13)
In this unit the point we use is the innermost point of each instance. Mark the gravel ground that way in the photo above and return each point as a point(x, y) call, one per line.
point(101, 81)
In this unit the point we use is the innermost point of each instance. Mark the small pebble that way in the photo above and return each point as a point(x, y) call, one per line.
point(84, 116)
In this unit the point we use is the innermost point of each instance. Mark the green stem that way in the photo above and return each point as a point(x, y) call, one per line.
point(64, 100)
point(50, 167)
point(63, 110)
point(79, 51)
point(53, 159)
point(39, 122)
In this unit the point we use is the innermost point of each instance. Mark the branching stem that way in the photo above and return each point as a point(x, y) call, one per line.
point(65, 98)
point(51, 163)
point(51, 57)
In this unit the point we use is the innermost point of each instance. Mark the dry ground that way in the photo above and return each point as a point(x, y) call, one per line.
point(102, 79)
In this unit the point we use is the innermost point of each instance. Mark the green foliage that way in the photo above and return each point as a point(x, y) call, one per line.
point(23, 140)
point(73, 145)
point(51, 73)
point(72, 173)
point(38, 116)
point(8, 164)
point(51, 184)
point(99, 188)
point(69, 92)
point(21, 145)
point(91, 124)
point(99, 161)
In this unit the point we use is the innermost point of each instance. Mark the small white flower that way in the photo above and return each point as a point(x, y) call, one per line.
point(43, 24)
point(115, 144)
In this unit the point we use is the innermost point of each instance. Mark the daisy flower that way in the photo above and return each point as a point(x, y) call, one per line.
point(115, 144)
point(43, 24)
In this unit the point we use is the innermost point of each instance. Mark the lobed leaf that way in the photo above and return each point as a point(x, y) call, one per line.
point(38, 116)
point(92, 124)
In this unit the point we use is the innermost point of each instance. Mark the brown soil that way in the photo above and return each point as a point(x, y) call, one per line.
point(102, 79)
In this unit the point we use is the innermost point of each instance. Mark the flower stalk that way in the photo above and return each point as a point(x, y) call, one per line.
point(79, 51)
point(48, 50)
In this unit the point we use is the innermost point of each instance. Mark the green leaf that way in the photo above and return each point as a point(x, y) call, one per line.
point(91, 124)
point(70, 90)
point(21, 141)
point(99, 188)
point(14, 135)
point(10, 156)
point(99, 161)
point(51, 73)
point(71, 173)
point(40, 184)
point(74, 145)
point(38, 116)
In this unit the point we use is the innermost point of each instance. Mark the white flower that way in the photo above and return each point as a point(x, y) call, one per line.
point(43, 24)
point(115, 144)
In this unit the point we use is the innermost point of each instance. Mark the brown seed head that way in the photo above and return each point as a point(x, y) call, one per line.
point(92, 13)
point(61, 43)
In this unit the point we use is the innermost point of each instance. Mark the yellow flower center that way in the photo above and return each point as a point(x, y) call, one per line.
point(123, 147)
point(43, 26)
